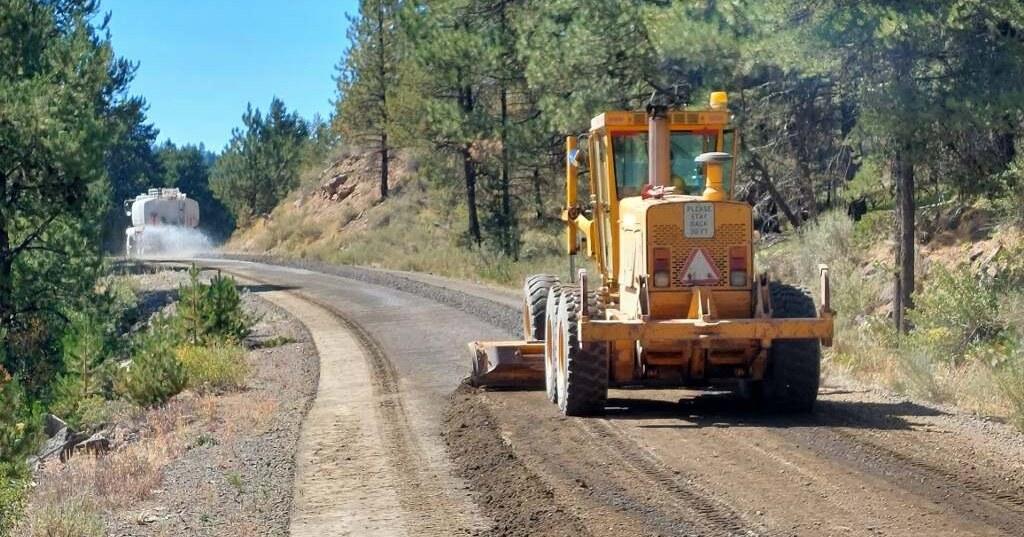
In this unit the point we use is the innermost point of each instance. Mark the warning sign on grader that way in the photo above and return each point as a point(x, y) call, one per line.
point(699, 220)
point(699, 269)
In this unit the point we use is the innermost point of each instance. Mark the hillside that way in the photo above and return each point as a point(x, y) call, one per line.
point(337, 216)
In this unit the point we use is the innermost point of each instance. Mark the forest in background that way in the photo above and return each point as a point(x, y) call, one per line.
point(886, 105)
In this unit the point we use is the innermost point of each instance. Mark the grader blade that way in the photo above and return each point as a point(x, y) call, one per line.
point(507, 364)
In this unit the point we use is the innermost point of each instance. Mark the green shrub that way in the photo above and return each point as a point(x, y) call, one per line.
point(208, 313)
point(155, 374)
point(954, 311)
point(216, 368)
point(88, 346)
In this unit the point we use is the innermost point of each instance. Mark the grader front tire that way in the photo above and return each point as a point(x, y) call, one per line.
point(582, 368)
point(535, 296)
point(551, 332)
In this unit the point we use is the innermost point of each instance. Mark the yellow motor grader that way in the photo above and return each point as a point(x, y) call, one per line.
point(676, 301)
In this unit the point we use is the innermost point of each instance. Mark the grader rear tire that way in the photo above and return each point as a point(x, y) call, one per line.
point(582, 369)
point(794, 365)
point(550, 342)
point(535, 296)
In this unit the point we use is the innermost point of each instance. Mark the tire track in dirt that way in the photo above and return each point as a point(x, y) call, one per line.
point(420, 492)
point(968, 495)
point(704, 509)
point(426, 505)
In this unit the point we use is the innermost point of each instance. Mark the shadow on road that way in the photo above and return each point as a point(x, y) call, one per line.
point(729, 410)
point(265, 288)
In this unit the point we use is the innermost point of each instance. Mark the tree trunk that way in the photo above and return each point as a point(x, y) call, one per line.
point(382, 78)
point(384, 158)
point(807, 190)
point(538, 195)
point(508, 239)
point(6, 283)
point(903, 176)
point(6, 267)
point(776, 196)
point(469, 169)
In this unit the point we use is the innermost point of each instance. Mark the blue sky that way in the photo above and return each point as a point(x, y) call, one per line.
point(200, 62)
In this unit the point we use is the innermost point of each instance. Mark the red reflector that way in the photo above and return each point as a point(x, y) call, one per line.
point(738, 258)
point(662, 257)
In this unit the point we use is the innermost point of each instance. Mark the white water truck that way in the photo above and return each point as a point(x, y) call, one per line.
point(158, 210)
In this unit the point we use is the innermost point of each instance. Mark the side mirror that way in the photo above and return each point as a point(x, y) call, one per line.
point(575, 157)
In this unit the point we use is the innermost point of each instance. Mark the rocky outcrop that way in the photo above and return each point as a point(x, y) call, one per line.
point(335, 189)
point(62, 441)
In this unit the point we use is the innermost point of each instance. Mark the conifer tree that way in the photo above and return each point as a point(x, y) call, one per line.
point(261, 163)
point(60, 84)
point(367, 79)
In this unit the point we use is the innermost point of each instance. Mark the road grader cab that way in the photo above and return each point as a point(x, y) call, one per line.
point(676, 300)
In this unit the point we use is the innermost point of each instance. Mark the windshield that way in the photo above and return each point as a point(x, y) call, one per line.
point(630, 154)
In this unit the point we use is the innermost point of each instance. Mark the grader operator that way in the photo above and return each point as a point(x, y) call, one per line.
point(676, 300)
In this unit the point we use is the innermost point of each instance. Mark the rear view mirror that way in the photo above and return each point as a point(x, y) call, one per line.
point(575, 157)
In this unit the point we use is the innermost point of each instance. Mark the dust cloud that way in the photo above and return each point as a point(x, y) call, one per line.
point(172, 241)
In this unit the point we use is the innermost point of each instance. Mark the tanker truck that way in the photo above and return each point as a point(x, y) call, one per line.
point(159, 217)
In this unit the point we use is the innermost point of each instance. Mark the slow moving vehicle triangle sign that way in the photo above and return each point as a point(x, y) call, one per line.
point(699, 270)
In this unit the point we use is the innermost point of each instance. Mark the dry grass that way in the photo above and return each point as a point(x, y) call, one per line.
point(65, 516)
point(244, 413)
point(71, 498)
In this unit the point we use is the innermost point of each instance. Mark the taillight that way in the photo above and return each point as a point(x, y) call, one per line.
point(662, 266)
point(738, 266)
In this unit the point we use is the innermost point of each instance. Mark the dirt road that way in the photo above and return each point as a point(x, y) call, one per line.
point(668, 462)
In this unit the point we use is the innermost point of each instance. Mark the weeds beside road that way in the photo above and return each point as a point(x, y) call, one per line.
point(215, 457)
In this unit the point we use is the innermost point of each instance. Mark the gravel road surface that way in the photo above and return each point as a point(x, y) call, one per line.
point(661, 462)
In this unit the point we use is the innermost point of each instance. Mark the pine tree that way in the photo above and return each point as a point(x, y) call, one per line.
point(87, 349)
point(261, 163)
point(60, 87)
point(367, 80)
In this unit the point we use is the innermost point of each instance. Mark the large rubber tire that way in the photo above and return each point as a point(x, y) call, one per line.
point(582, 369)
point(535, 296)
point(550, 342)
point(794, 365)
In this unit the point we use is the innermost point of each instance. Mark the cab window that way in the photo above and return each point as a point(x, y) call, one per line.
point(630, 155)
point(687, 175)
point(730, 143)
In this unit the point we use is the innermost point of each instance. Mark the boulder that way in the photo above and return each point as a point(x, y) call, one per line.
point(345, 191)
point(331, 186)
point(95, 444)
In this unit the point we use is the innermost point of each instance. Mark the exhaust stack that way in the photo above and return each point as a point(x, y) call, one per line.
point(658, 158)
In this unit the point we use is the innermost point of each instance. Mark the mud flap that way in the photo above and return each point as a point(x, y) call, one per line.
point(507, 364)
